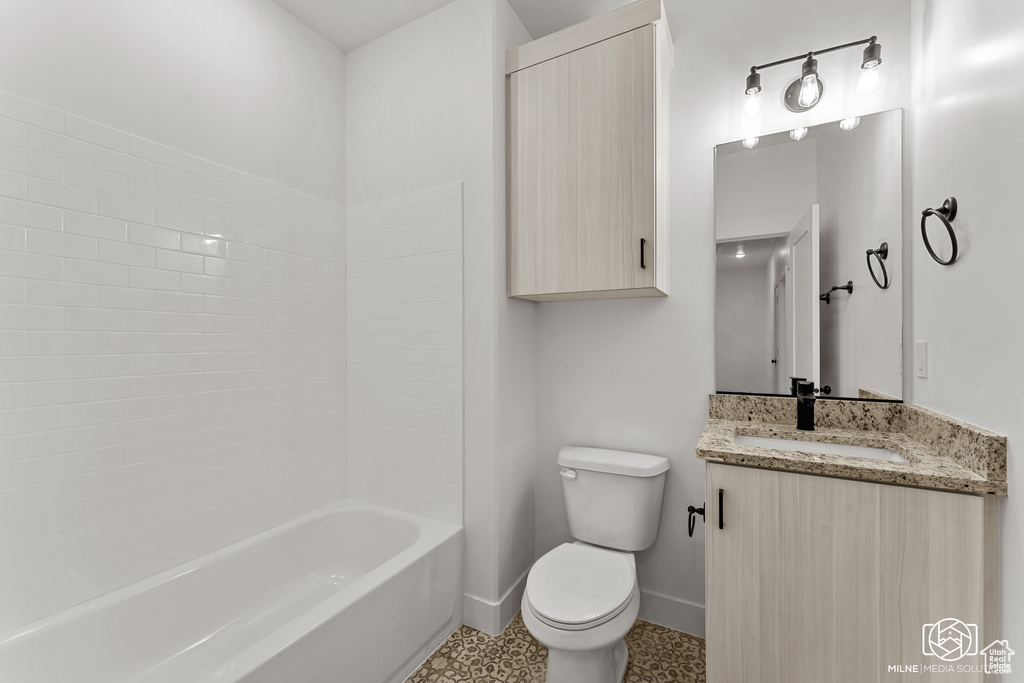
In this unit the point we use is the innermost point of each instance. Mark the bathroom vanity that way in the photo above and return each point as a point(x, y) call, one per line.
point(828, 567)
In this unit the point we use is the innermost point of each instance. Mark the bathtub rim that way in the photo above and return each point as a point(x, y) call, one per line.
point(431, 533)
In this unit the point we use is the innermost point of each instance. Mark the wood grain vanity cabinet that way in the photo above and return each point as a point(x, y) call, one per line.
point(587, 151)
point(814, 579)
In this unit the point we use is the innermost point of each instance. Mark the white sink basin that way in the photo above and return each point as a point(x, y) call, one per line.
point(818, 447)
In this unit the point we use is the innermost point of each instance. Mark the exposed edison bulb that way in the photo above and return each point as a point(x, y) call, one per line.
point(868, 83)
point(750, 143)
point(798, 133)
point(850, 123)
point(808, 91)
point(752, 107)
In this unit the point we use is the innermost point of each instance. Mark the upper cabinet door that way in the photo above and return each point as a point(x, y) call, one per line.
point(587, 148)
point(542, 183)
point(615, 139)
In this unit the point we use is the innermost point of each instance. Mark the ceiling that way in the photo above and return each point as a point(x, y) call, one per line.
point(350, 23)
point(760, 29)
point(542, 17)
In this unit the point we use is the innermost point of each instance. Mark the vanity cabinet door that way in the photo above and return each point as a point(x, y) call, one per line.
point(819, 579)
point(587, 195)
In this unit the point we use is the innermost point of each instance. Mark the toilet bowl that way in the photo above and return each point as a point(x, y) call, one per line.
point(580, 602)
point(582, 598)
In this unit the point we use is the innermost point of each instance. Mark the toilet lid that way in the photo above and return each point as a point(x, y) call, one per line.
point(577, 585)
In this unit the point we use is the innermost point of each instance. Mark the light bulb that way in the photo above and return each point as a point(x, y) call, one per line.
point(739, 252)
point(868, 82)
point(809, 91)
point(750, 143)
point(798, 133)
point(850, 123)
point(752, 107)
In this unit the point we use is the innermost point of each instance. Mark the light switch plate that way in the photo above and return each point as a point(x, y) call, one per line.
point(921, 359)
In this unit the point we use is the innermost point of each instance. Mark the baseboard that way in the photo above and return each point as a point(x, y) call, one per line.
point(679, 615)
point(493, 617)
point(480, 614)
point(512, 601)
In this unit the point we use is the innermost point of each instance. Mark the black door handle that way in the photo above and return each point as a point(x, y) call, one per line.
point(642, 243)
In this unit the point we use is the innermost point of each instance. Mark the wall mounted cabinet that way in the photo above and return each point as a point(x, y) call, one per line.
point(814, 579)
point(588, 159)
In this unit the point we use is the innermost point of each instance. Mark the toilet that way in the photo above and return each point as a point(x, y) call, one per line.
point(582, 598)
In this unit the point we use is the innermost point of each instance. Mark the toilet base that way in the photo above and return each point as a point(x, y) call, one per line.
point(606, 665)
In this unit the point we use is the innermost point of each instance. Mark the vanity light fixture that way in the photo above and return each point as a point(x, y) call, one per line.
point(752, 106)
point(750, 143)
point(739, 251)
point(850, 123)
point(805, 92)
point(869, 78)
point(798, 133)
point(810, 87)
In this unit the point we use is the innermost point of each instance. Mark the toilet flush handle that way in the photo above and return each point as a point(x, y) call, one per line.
point(569, 474)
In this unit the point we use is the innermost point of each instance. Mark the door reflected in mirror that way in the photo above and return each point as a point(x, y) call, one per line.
point(794, 222)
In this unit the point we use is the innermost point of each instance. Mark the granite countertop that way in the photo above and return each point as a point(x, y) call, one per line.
point(941, 452)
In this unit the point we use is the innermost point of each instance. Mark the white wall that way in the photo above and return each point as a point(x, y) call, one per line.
point(172, 352)
point(405, 352)
point(425, 106)
point(741, 341)
point(636, 374)
point(967, 142)
point(515, 374)
point(239, 82)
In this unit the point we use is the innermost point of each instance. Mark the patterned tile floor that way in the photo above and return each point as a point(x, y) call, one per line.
point(656, 655)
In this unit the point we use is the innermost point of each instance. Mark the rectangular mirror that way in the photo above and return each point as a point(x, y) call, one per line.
point(799, 219)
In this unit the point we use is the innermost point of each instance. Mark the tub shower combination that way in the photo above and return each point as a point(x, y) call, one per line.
point(351, 593)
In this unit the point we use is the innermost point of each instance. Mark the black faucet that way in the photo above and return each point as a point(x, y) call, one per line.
point(805, 406)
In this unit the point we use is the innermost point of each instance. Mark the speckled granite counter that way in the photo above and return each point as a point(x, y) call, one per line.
point(941, 452)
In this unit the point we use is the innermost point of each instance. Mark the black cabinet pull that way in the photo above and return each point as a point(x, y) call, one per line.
point(642, 243)
point(721, 518)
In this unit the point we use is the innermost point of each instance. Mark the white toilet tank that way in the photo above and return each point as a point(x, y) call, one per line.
point(613, 497)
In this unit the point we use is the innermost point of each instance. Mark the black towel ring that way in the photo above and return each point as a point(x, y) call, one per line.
point(880, 255)
point(945, 213)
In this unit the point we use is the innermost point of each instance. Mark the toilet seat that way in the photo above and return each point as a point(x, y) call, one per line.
point(576, 587)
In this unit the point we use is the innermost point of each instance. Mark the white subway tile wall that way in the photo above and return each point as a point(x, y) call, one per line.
point(405, 352)
point(172, 358)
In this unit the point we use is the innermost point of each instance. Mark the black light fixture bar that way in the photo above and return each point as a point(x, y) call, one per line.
point(805, 55)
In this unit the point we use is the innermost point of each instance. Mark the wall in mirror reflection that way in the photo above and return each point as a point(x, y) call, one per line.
point(792, 219)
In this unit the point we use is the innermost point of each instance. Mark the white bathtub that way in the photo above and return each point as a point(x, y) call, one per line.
point(351, 593)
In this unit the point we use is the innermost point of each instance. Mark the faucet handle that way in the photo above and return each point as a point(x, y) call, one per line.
point(793, 382)
point(805, 388)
